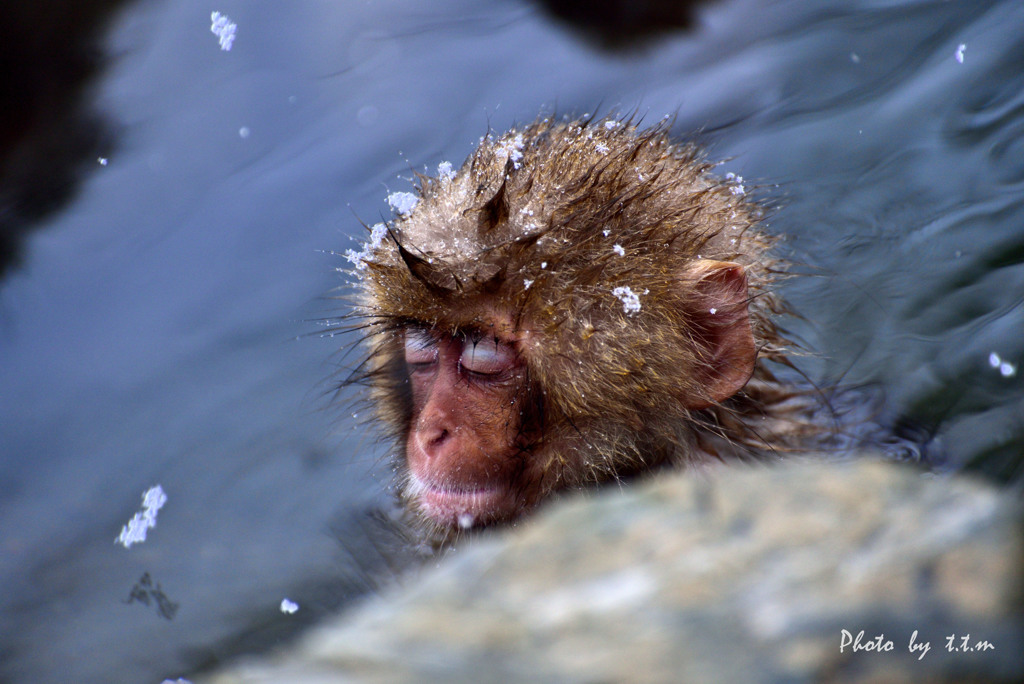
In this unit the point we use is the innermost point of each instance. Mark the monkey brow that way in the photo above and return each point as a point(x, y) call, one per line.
point(419, 338)
point(470, 333)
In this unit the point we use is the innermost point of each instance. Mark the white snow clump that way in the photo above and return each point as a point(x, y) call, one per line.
point(135, 531)
point(445, 171)
point(224, 29)
point(358, 259)
point(403, 202)
point(513, 149)
point(737, 188)
point(630, 300)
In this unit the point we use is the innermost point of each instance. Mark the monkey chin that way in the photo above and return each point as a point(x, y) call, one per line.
point(460, 506)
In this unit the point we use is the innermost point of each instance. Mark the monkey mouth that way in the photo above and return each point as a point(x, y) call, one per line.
point(460, 506)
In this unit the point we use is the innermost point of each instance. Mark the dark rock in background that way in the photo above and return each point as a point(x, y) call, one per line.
point(619, 24)
point(49, 54)
point(739, 574)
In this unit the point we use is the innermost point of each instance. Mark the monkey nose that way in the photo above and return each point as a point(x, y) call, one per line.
point(432, 439)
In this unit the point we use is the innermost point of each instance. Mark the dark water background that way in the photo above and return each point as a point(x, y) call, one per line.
point(158, 327)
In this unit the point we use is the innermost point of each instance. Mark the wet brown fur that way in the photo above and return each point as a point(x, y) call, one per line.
point(517, 237)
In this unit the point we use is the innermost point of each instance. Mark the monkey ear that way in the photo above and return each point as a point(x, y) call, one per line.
point(726, 351)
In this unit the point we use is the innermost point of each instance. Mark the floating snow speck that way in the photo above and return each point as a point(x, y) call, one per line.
point(960, 52)
point(618, 249)
point(403, 202)
point(630, 300)
point(288, 607)
point(1005, 368)
point(224, 29)
point(135, 531)
point(466, 520)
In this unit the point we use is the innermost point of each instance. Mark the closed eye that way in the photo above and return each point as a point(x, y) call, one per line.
point(487, 356)
point(420, 347)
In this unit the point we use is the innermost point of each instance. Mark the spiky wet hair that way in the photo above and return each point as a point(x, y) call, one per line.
point(581, 236)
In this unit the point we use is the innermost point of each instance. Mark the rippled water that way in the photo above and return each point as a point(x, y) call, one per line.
point(160, 326)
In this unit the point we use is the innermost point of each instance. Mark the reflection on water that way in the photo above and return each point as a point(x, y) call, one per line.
point(156, 331)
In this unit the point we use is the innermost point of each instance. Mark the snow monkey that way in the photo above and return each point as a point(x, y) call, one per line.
point(580, 302)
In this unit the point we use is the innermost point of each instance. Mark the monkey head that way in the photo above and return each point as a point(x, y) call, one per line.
point(579, 302)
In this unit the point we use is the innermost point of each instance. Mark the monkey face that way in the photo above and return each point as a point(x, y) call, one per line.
point(464, 450)
point(579, 303)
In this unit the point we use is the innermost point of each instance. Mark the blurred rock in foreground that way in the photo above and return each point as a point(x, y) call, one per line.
point(746, 574)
